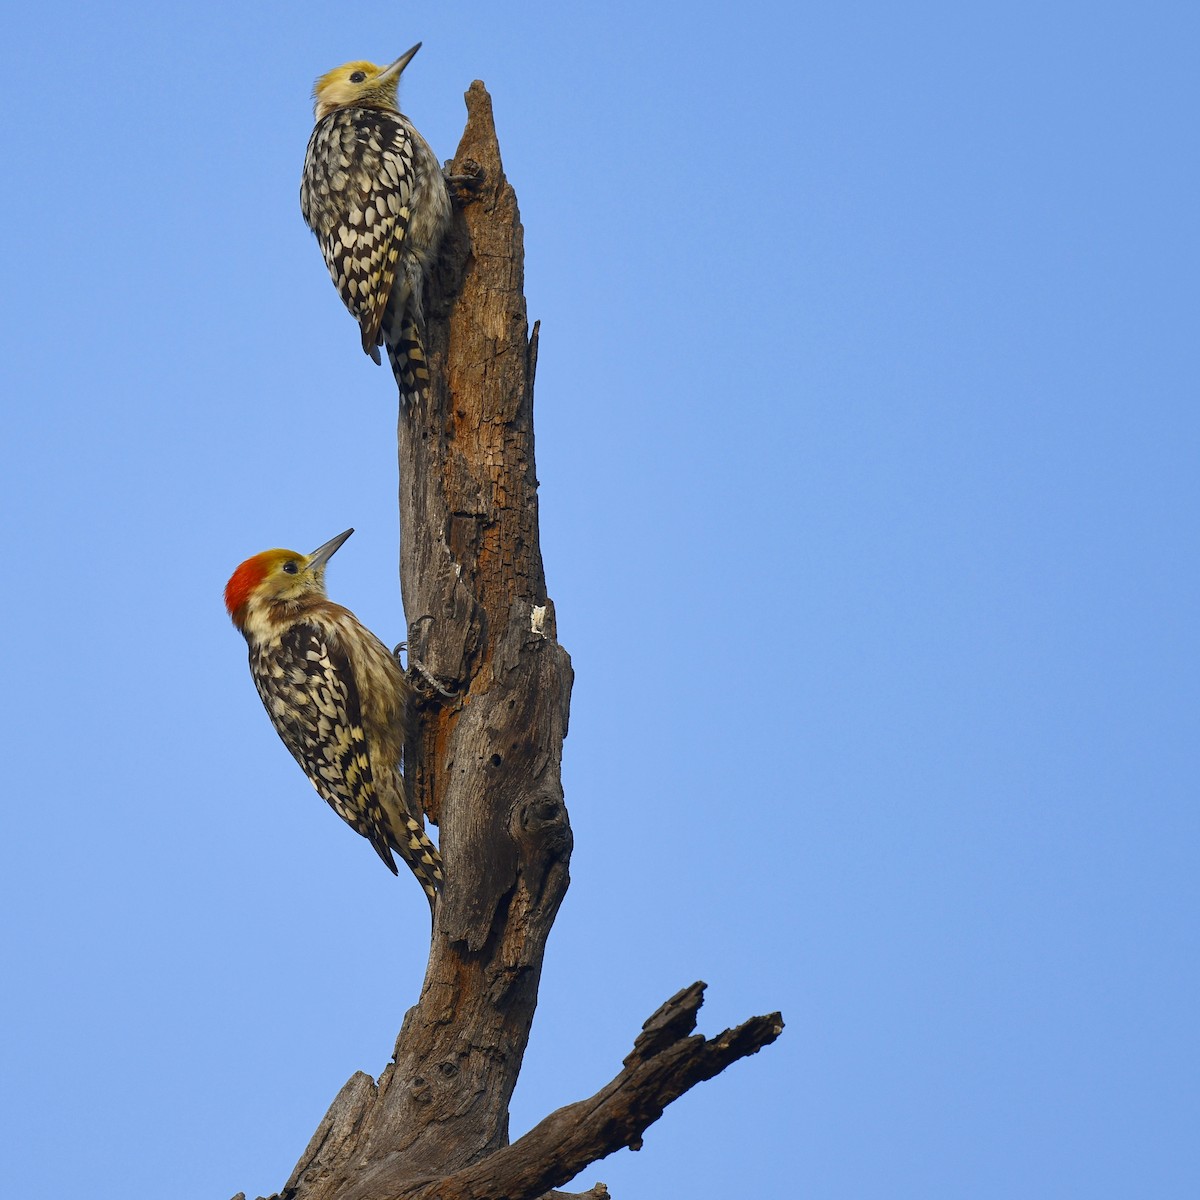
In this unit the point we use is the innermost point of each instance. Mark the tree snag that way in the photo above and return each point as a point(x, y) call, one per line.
point(486, 769)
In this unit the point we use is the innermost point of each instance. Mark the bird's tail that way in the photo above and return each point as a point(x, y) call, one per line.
point(406, 353)
point(413, 845)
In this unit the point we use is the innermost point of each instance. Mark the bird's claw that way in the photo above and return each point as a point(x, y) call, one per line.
point(467, 180)
point(418, 671)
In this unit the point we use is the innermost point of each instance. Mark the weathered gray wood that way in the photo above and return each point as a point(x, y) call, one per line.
point(485, 766)
point(658, 1070)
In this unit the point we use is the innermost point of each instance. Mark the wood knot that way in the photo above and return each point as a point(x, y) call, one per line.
point(439, 1077)
point(540, 814)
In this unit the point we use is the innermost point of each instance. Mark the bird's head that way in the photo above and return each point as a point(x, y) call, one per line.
point(278, 577)
point(360, 84)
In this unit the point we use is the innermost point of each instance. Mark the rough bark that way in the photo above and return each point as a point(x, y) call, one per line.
point(486, 769)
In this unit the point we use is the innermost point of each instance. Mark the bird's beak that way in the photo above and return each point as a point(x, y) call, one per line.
point(394, 70)
point(322, 554)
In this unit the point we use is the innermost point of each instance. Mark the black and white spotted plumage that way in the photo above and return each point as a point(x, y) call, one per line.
point(337, 698)
point(373, 193)
point(308, 686)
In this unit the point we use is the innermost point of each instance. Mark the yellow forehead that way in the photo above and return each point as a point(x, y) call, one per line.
point(274, 559)
point(341, 75)
point(262, 575)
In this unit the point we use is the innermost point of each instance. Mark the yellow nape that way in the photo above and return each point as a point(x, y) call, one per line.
point(352, 84)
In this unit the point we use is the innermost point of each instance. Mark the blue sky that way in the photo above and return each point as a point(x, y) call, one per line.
point(867, 438)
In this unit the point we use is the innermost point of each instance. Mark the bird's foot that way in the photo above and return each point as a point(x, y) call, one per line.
point(420, 675)
point(466, 181)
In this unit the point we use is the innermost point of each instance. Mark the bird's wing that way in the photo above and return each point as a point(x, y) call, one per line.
point(388, 163)
point(357, 202)
point(313, 701)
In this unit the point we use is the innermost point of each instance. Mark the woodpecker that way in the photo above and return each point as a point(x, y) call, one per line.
point(336, 696)
point(374, 195)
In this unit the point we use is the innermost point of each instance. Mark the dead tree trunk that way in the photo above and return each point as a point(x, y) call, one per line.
point(487, 771)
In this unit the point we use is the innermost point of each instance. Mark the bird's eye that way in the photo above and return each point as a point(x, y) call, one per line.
point(358, 77)
point(290, 567)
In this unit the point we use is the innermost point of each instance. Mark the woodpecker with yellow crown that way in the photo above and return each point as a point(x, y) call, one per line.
point(374, 195)
point(336, 696)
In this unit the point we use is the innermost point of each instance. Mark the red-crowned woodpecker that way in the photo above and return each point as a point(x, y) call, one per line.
point(336, 696)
